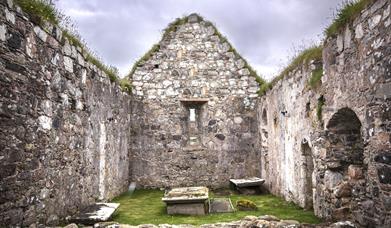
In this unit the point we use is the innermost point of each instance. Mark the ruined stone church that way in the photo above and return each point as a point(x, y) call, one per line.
point(70, 137)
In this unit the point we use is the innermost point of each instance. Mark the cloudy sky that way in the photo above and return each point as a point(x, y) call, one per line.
point(265, 32)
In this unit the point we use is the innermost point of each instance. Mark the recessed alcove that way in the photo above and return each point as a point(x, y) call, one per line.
point(194, 108)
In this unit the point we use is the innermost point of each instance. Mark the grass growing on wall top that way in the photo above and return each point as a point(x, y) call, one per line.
point(146, 207)
point(313, 53)
point(346, 14)
point(42, 11)
point(143, 59)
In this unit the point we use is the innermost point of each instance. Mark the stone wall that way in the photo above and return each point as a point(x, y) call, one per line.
point(193, 69)
point(64, 128)
point(343, 156)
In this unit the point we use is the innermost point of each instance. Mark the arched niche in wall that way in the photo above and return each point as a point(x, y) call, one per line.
point(344, 163)
point(344, 136)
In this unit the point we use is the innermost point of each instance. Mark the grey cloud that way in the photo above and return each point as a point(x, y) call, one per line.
point(263, 31)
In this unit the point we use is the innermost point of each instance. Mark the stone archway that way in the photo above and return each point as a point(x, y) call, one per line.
point(343, 163)
point(344, 135)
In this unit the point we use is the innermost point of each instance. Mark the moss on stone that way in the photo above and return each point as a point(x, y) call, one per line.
point(316, 76)
point(245, 204)
point(125, 85)
point(42, 11)
point(345, 15)
point(146, 207)
point(313, 53)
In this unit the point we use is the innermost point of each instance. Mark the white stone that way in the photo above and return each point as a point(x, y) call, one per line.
point(238, 120)
point(177, 84)
point(74, 52)
point(55, 59)
point(166, 83)
point(10, 3)
point(64, 99)
point(40, 33)
point(348, 37)
point(339, 43)
point(137, 83)
point(44, 193)
point(244, 71)
point(83, 76)
point(387, 22)
point(359, 31)
point(374, 21)
point(3, 31)
point(332, 179)
point(386, 12)
point(80, 59)
point(67, 48)
point(9, 16)
point(47, 107)
point(377, 43)
point(68, 63)
point(45, 123)
point(79, 105)
point(195, 83)
point(102, 160)
point(170, 92)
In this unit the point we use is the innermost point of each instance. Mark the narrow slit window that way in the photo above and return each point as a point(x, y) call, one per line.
point(192, 116)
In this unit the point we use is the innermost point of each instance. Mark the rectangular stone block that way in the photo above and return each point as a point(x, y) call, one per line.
point(187, 209)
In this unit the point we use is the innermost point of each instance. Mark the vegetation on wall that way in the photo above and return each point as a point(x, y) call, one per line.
point(319, 108)
point(316, 76)
point(41, 11)
point(313, 53)
point(345, 15)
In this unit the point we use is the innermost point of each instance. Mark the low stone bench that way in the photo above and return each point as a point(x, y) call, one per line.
point(187, 201)
point(248, 186)
point(98, 212)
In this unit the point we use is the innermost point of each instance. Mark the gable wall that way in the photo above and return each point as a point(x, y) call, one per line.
point(193, 63)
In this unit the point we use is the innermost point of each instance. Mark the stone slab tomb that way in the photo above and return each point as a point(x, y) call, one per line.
point(247, 186)
point(99, 212)
point(220, 205)
point(187, 201)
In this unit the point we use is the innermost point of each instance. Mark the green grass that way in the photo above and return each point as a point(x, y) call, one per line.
point(316, 76)
point(143, 59)
point(72, 38)
point(40, 11)
point(111, 72)
point(125, 85)
point(146, 206)
point(303, 58)
point(345, 15)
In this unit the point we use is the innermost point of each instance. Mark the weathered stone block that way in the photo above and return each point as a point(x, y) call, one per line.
point(187, 209)
point(355, 172)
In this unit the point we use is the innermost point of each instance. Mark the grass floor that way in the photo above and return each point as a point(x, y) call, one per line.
point(146, 207)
